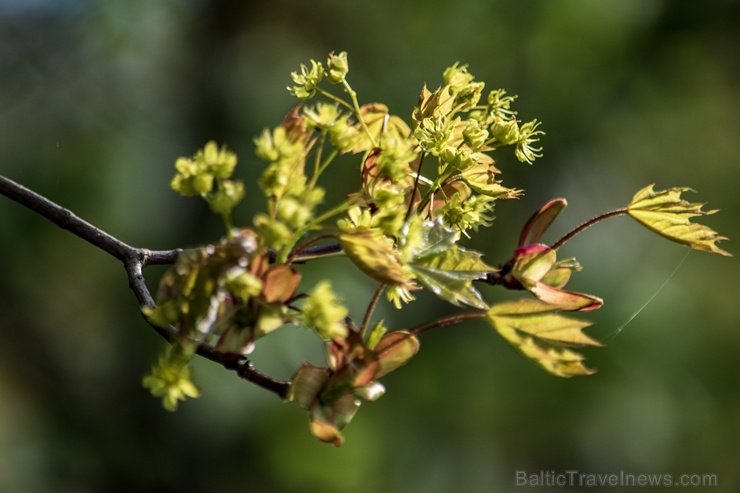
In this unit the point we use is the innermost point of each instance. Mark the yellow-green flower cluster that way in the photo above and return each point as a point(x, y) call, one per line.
point(291, 201)
point(241, 283)
point(337, 67)
point(170, 379)
point(467, 214)
point(308, 79)
point(207, 174)
point(328, 118)
point(528, 135)
point(286, 156)
point(463, 87)
point(325, 313)
point(396, 154)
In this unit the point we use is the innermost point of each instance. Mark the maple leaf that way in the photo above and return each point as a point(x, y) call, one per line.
point(541, 333)
point(446, 269)
point(668, 215)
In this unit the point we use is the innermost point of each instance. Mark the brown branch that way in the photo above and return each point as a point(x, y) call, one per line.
point(134, 260)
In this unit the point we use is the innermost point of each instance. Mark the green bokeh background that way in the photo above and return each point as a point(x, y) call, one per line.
point(97, 99)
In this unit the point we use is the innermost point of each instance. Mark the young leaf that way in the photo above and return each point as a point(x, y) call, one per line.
point(454, 286)
point(441, 266)
point(394, 350)
point(423, 240)
point(542, 334)
point(374, 256)
point(540, 221)
point(481, 177)
point(535, 270)
point(665, 213)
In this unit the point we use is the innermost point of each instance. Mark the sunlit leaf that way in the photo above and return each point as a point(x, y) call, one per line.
point(453, 286)
point(668, 215)
point(539, 331)
point(426, 239)
point(533, 262)
point(565, 300)
point(481, 177)
point(446, 269)
point(374, 256)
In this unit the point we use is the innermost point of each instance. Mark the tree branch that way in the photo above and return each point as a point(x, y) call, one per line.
point(134, 260)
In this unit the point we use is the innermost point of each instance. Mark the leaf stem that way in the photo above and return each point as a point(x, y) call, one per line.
point(453, 319)
point(416, 186)
point(336, 99)
point(371, 308)
point(317, 162)
point(587, 224)
point(356, 105)
point(285, 253)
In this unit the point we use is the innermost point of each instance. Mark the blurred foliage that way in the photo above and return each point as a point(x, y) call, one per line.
point(98, 98)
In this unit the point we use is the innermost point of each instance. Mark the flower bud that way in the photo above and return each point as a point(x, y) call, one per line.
point(337, 67)
point(506, 132)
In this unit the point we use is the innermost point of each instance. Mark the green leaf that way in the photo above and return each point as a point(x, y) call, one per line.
point(668, 215)
point(453, 286)
point(446, 269)
point(451, 275)
point(425, 239)
point(542, 334)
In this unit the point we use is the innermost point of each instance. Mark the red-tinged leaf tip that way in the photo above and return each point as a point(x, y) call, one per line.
point(536, 225)
point(570, 301)
point(533, 262)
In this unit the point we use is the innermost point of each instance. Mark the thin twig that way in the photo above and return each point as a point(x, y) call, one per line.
point(134, 260)
point(66, 219)
point(299, 250)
